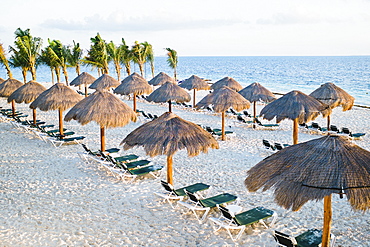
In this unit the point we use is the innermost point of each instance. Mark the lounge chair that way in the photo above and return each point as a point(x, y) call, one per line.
point(131, 174)
point(196, 204)
point(353, 135)
point(247, 114)
point(310, 238)
point(179, 194)
point(280, 146)
point(217, 132)
point(242, 120)
point(265, 125)
point(229, 221)
point(58, 142)
point(268, 145)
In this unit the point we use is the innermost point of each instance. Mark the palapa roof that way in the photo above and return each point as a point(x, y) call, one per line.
point(195, 82)
point(27, 93)
point(135, 84)
point(333, 96)
point(1, 80)
point(223, 98)
point(59, 96)
point(103, 108)
point(315, 169)
point(83, 79)
point(9, 86)
point(256, 92)
point(160, 79)
point(169, 92)
point(294, 105)
point(227, 81)
point(169, 133)
point(104, 82)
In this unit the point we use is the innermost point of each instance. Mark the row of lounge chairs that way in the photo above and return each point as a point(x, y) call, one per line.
point(127, 167)
point(216, 132)
point(317, 129)
point(231, 217)
point(147, 115)
point(274, 146)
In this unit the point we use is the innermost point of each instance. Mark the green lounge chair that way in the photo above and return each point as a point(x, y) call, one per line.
point(310, 238)
point(131, 174)
point(229, 221)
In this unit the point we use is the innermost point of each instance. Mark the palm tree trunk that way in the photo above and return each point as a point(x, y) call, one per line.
point(118, 71)
point(128, 68)
point(169, 170)
point(24, 74)
point(65, 74)
point(33, 73)
point(141, 69)
point(52, 75)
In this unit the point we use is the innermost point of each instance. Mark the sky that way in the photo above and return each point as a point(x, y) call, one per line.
point(200, 27)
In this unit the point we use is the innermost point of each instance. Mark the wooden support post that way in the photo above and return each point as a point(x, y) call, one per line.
point(134, 103)
point(328, 122)
point(194, 98)
point(169, 106)
point(102, 138)
point(34, 116)
point(295, 131)
point(61, 131)
point(169, 170)
point(223, 126)
point(254, 114)
point(327, 221)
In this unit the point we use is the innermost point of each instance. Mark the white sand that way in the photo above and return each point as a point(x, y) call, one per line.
point(49, 197)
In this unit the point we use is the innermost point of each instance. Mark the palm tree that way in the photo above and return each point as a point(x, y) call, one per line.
point(16, 60)
point(149, 56)
point(139, 55)
point(4, 61)
point(59, 54)
point(172, 60)
point(98, 56)
point(74, 56)
point(50, 58)
point(115, 54)
point(28, 49)
point(127, 56)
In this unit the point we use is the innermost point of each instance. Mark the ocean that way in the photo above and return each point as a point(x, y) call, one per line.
point(279, 74)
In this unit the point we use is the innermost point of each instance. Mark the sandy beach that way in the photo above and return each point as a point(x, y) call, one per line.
point(50, 197)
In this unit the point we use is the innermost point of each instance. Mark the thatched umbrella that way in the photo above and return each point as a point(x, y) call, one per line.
point(297, 106)
point(333, 96)
point(222, 99)
point(8, 87)
point(83, 79)
point(160, 79)
point(58, 97)
point(104, 82)
point(169, 92)
point(134, 84)
point(314, 170)
point(229, 82)
point(166, 135)
point(1, 80)
point(103, 108)
point(27, 93)
point(256, 92)
point(195, 83)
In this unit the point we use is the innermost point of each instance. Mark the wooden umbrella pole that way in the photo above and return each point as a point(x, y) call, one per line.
point(102, 138)
point(85, 90)
point(295, 131)
point(223, 126)
point(61, 131)
point(134, 103)
point(327, 221)
point(13, 107)
point(328, 122)
point(169, 170)
point(169, 106)
point(34, 116)
point(194, 98)
point(254, 114)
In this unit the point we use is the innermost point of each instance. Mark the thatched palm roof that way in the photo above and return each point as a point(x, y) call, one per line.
point(256, 92)
point(9, 86)
point(169, 92)
point(1, 80)
point(227, 81)
point(59, 96)
point(168, 134)
point(83, 79)
point(160, 79)
point(134, 84)
point(103, 108)
point(333, 96)
point(104, 82)
point(195, 82)
point(223, 98)
point(27, 93)
point(294, 105)
point(313, 170)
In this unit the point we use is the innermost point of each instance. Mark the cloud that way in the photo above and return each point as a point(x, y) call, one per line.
point(289, 19)
point(116, 22)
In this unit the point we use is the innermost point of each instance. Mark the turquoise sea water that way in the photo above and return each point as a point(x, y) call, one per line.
point(279, 74)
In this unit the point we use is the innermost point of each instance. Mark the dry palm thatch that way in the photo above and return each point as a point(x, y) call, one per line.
point(27, 93)
point(83, 79)
point(169, 92)
point(297, 106)
point(134, 84)
point(58, 97)
point(104, 82)
point(229, 82)
point(160, 79)
point(1, 80)
point(333, 96)
point(222, 99)
point(8, 87)
point(168, 134)
point(314, 170)
point(256, 92)
point(195, 83)
point(103, 108)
